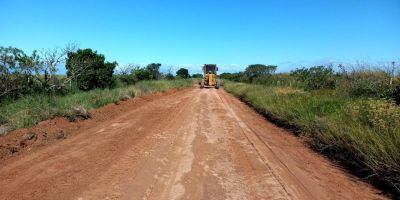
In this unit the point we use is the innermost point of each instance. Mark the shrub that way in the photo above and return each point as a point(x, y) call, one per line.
point(380, 115)
point(127, 79)
point(396, 95)
point(154, 71)
point(198, 76)
point(263, 80)
point(17, 72)
point(367, 83)
point(183, 73)
point(314, 78)
point(89, 69)
point(3, 120)
point(169, 76)
point(238, 77)
point(259, 71)
point(142, 74)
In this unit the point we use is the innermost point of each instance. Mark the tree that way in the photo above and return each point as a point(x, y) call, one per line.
point(197, 76)
point(127, 69)
point(238, 77)
point(183, 73)
point(314, 78)
point(142, 74)
point(17, 71)
point(51, 58)
point(89, 69)
point(154, 70)
point(127, 73)
point(169, 76)
point(10, 59)
point(259, 70)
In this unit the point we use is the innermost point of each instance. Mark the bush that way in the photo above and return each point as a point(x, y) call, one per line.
point(169, 76)
point(381, 115)
point(315, 78)
point(18, 73)
point(197, 76)
point(3, 120)
point(238, 77)
point(366, 83)
point(142, 74)
point(154, 71)
point(89, 69)
point(127, 79)
point(396, 95)
point(259, 71)
point(228, 76)
point(183, 73)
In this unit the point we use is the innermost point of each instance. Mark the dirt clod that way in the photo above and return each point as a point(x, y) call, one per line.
point(78, 112)
point(13, 150)
point(29, 136)
point(61, 135)
point(23, 143)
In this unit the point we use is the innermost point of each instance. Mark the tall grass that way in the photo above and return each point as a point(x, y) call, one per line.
point(30, 110)
point(363, 133)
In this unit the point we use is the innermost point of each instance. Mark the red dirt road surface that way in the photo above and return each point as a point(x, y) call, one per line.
point(188, 144)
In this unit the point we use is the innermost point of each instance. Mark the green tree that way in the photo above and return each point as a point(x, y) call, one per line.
point(255, 71)
point(169, 76)
point(17, 72)
point(142, 74)
point(314, 78)
point(127, 74)
point(154, 70)
point(89, 69)
point(183, 73)
point(197, 76)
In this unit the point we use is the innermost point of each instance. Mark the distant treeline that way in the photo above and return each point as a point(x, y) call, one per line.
point(22, 74)
point(360, 81)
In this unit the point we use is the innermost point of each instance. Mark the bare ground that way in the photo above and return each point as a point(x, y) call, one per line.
point(189, 144)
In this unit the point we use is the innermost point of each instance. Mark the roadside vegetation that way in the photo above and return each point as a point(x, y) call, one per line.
point(30, 110)
point(31, 91)
point(352, 116)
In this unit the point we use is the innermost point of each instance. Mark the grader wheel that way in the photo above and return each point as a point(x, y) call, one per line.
point(218, 84)
point(202, 84)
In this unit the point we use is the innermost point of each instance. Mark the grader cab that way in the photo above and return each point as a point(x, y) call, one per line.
point(210, 76)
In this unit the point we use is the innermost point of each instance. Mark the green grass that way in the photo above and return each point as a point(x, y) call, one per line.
point(28, 111)
point(362, 133)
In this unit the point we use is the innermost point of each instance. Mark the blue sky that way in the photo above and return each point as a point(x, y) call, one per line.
point(230, 33)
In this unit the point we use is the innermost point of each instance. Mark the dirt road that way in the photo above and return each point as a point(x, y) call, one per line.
point(191, 144)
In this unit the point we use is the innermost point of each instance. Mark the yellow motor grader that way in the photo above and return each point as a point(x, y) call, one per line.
point(210, 76)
